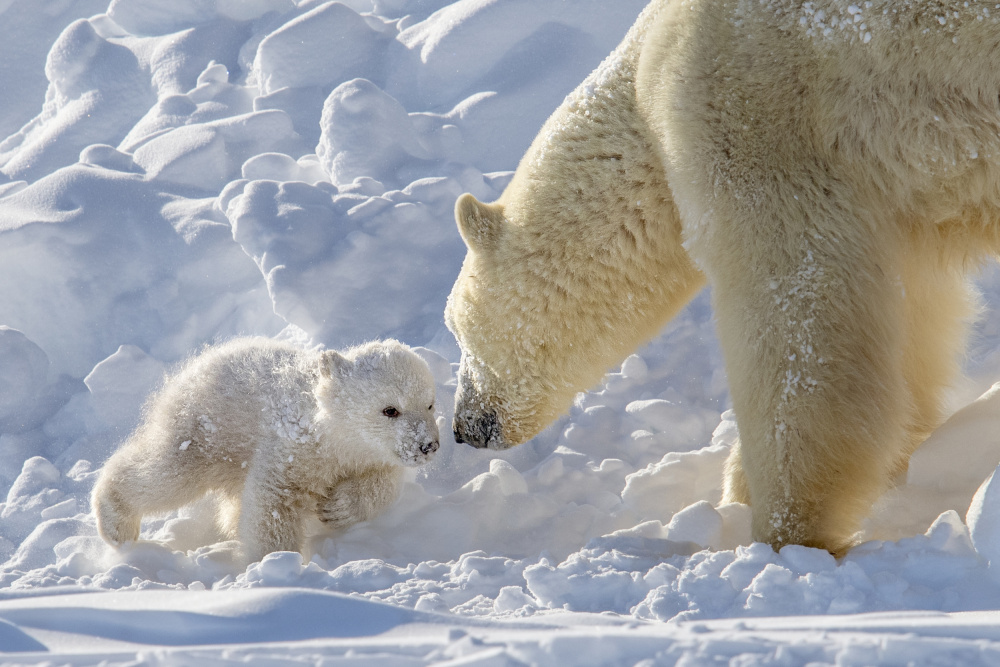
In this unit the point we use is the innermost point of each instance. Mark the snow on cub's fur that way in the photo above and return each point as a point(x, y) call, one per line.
point(281, 434)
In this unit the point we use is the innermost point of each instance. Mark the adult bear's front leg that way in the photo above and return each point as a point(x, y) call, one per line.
point(812, 327)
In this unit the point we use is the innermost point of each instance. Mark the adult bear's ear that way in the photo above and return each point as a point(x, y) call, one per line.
point(335, 364)
point(479, 224)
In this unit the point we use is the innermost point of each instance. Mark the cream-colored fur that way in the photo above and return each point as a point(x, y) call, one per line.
point(832, 168)
point(281, 434)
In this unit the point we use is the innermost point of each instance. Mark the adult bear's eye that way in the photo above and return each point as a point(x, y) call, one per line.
point(430, 407)
point(391, 412)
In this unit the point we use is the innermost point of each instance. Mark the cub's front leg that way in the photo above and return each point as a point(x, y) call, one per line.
point(360, 497)
point(270, 514)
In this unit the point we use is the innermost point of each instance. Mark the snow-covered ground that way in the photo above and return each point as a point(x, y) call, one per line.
point(176, 173)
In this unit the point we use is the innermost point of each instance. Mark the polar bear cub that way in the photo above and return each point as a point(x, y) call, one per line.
point(281, 434)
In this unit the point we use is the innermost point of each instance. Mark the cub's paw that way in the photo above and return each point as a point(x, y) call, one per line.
point(340, 509)
point(359, 498)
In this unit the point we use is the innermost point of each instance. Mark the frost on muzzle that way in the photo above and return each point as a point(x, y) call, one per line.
point(477, 420)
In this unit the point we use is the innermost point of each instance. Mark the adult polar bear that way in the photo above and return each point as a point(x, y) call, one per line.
point(832, 168)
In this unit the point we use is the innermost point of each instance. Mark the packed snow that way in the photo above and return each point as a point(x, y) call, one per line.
point(176, 174)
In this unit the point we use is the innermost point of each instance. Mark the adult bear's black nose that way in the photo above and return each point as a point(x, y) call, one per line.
point(429, 447)
point(480, 432)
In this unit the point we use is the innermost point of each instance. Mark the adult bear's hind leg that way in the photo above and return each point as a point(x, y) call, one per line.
point(734, 484)
point(939, 303)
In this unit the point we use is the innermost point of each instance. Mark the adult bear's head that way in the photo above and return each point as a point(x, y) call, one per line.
point(553, 292)
point(506, 312)
point(578, 263)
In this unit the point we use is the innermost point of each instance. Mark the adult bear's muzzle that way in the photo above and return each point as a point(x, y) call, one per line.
point(480, 430)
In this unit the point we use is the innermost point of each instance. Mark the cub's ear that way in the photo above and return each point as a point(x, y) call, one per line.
point(334, 364)
point(480, 225)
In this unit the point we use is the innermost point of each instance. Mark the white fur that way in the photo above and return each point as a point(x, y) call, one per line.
point(832, 168)
point(281, 433)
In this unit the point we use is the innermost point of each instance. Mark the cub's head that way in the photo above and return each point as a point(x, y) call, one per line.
point(507, 312)
point(381, 396)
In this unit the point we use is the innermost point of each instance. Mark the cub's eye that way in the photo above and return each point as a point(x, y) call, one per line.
point(391, 412)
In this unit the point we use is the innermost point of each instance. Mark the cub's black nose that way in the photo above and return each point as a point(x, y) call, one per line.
point(429, 447)
point(458, 437)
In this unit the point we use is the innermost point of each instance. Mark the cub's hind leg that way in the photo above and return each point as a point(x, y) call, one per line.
point(146, 476)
